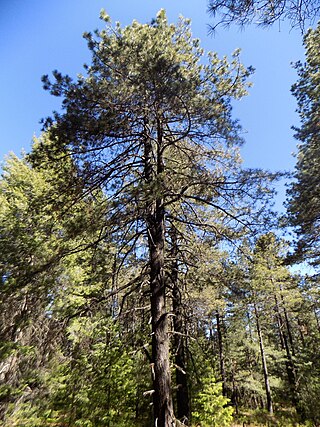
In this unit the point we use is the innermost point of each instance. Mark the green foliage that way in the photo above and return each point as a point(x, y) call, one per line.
point(211, 408)
point(304, 195)
point(98, 385)
point(102, 375)
point(147, 133)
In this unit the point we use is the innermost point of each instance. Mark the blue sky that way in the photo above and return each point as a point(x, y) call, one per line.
point(37, 37)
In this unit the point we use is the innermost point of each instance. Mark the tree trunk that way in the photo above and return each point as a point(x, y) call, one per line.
point(161, 377)
point(290, 368)
point(264, 363)
point(221, 353)
point(182, 394)
point(234, 396)
point(287, 322)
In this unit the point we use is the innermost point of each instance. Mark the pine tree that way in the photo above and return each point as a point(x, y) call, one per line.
point(151, 126)
point(303, 195)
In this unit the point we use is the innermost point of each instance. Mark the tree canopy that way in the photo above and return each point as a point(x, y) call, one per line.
point(304, 196)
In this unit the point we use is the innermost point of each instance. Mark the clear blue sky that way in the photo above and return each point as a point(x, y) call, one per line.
point(37, 37)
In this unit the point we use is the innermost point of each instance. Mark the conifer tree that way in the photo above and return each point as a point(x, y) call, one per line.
point(151, 126)
point(303, 194)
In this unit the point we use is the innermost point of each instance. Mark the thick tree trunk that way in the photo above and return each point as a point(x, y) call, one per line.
point(182, 394)
point(162, 400)
point(162, 396)
point(264, 363)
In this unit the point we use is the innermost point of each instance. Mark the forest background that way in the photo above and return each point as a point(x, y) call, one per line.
point(245, 319)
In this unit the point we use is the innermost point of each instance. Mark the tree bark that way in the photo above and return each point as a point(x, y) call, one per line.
point(161, 377)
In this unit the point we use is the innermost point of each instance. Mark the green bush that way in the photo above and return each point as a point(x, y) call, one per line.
point(211, 405)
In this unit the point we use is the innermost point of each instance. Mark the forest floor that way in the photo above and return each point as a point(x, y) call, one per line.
point(284, 417)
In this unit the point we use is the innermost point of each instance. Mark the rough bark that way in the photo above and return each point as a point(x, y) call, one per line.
point(161, 377)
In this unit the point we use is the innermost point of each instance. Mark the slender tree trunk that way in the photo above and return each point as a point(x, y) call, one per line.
point(288, 326)
point(252, 364)
point(182, 394)
point(264, 363)
point(290, 368)
point(279, 322)
point(234, 396)
point(300, 325)
point(221, 352)
point(162, 396)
